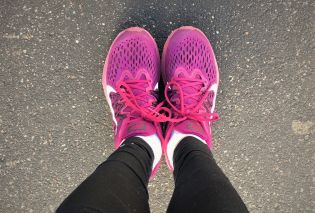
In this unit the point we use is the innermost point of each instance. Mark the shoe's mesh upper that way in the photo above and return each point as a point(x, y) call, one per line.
point(191, 52)
point(132, 53)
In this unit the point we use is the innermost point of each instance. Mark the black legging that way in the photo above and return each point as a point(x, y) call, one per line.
point(120, 183)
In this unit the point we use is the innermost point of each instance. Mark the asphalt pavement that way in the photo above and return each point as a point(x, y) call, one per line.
point(56, 127)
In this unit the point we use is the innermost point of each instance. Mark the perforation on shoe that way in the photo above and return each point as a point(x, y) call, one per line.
point(191, 53)
point(131, 54)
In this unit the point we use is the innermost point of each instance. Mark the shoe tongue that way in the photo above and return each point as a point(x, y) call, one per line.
point(139, 128)
point(137, 92)
point(191, 127)
point(189, 90)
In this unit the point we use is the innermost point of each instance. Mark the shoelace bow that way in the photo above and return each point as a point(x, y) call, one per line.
point(146, 109)
point(164, 114)
point(188, 111)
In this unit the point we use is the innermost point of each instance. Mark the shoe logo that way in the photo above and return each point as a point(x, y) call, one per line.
point(136, 127)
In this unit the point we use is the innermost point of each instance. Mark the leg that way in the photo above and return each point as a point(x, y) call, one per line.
point(117, 185)
point(200, 185)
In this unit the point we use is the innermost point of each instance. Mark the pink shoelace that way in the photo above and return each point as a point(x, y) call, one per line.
point(146, 109)
point(183, 110)
point(141, 104)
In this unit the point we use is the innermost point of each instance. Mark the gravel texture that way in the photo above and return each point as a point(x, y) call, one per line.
point(56, 127)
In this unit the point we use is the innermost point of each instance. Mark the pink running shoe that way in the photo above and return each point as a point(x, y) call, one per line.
point(191, 75)
point(130, 80)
